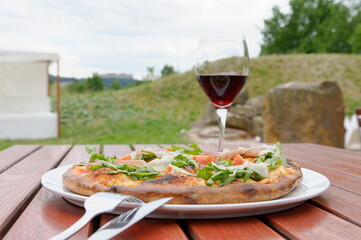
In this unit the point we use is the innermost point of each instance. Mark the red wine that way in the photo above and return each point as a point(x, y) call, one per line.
point(222, 89)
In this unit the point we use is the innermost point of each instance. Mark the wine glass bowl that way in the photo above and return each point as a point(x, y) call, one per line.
point(222, 69)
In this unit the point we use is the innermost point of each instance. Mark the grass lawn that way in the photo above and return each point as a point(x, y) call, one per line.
point(156, 112)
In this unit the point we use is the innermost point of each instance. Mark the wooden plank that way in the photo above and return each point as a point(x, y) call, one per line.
point(49, 214)
point(157, 228)
point(14, 154)
point(342, 203)
point(334, 163)
point(331, 151)
point(150, 229)
point(19, 182)
point(310, 222)
point(238, 228)
point(341, 180)
point(336, 154)
point(77, 155)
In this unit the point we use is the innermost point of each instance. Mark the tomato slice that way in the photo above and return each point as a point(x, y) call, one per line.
point(125, 157)
point(204, 159)
point(238, 160)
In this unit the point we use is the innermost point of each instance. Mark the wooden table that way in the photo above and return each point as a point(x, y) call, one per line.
point(28, 211)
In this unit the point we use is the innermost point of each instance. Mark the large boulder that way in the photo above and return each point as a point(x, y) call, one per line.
point(304, 112)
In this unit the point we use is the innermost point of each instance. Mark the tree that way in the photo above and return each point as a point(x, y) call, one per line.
point(167, 70)
point(313, 26)
point(150, 73)
point(94, 83)
point(76, 86)
point(115, 85)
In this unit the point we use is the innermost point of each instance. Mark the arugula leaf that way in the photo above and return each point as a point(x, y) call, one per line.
point(230, 179)
point(273, 159)
point(244, 173)
point(90, 149)
point(93, 167)
point(196, 150)
point(225, 163)
point(256, 176)
point(148, 156)
point(204, 173)
point(137, 173)
point(97, 156)
point(182, 161)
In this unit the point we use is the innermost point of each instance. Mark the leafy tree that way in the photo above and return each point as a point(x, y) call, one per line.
point(150, 73)
point(94, 83)
point(313, 26)
point(167, 70)
point(355, 40)
point(76, 86)
point(115, 85)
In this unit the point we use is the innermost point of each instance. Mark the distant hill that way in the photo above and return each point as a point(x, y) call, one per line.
point(123, 81)
point(181, 92)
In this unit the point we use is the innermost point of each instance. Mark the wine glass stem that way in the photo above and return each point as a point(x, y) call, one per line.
point(222, 117)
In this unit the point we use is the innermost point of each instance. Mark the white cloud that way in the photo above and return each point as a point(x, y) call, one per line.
point(128, 35)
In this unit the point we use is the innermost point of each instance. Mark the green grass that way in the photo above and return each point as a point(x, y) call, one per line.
point(156, 112)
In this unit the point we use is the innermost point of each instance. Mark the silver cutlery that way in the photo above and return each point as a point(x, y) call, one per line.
point(127, 219)
point(94, 205)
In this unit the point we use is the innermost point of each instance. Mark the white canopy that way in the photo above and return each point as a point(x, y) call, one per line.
point(24, 96)
point(23, 57)
point(24, 73)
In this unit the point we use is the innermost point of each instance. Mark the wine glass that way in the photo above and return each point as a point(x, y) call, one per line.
point(222, 69)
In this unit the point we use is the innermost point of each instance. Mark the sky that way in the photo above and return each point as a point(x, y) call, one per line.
point(127, 36)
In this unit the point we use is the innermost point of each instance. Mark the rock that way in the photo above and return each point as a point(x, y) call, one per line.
point(242, 97)
point(209, 117)
point(238, 121)
point(257, 127)
point(244, 110)
point(304, 112)
point(256, 104)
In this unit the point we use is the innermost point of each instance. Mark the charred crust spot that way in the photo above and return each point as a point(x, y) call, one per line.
point(113, 189)
point(248, 189)
point(171, 179)
point(293, 164)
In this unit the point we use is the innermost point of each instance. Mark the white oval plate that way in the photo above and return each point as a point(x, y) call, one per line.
point(313, 184)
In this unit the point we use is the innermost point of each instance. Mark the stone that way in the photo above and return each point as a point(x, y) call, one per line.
point(257, 127)
point(304, 112)
point(256, 104)
point(242, 97)
point(238, 121)
point(243, 110)
point(209, 116)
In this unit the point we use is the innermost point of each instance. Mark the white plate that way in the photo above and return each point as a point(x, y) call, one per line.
point(313, 184)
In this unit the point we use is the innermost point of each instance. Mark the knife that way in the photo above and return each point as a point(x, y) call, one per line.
point(127, 219)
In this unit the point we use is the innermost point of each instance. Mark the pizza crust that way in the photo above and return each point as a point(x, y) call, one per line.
point(184, 189)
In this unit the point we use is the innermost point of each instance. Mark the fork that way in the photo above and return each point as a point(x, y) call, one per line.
point(97, 203)
point(127, 219)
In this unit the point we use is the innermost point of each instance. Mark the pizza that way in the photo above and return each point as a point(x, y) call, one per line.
point(188, 174)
